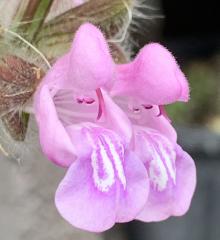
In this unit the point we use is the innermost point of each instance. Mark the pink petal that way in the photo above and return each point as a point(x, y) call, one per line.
point(81, 204)
point(172, 176)
point(150, 119)
point(107, 186)
point(87, 66)
point(132, 201)
point(90, 65)
point(187, 182)
point(90, 184)
point(154, 77)
point(115, 118)
point(56, 77)
point(54, 140)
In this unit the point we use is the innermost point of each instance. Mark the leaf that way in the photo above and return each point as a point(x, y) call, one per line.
point(16, 123)
point(18, 81)
point(38, 17)
point(8, 10)
point(57, 34)
point(60, 6)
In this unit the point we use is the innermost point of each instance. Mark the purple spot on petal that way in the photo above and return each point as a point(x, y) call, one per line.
point(80, 100)
point(147, 106)
point(89, 100)
point(136, 110)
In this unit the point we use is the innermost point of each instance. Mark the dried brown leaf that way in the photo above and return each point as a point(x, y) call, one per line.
point(18, 81)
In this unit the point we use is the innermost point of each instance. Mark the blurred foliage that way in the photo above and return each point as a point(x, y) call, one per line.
point(204, 105)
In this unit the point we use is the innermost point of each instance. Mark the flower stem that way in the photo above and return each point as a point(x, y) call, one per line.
point(30, 10)
point(37, 11)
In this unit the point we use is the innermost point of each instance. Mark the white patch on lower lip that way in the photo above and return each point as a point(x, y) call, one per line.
point(117, 161)
point(168, 161)
point(160, 160)
point(157, 172)
point(107, 160)
point(105, 183)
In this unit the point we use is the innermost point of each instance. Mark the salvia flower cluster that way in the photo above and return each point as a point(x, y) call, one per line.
point(105, 123)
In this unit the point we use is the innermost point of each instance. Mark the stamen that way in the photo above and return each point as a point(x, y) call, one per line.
point(101, 103)
point(147, 106)
point(80, 100)
point(89, 100)
point(162, 112)
point(86, 100)
point(136, 110)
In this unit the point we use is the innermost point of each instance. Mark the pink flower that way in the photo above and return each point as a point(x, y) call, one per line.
point(142, 87)
point(171, 171)
point(122, 156)
point(81, 128)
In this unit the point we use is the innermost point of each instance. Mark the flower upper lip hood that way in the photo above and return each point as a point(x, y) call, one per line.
point(154, 76)
point(90, 51)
